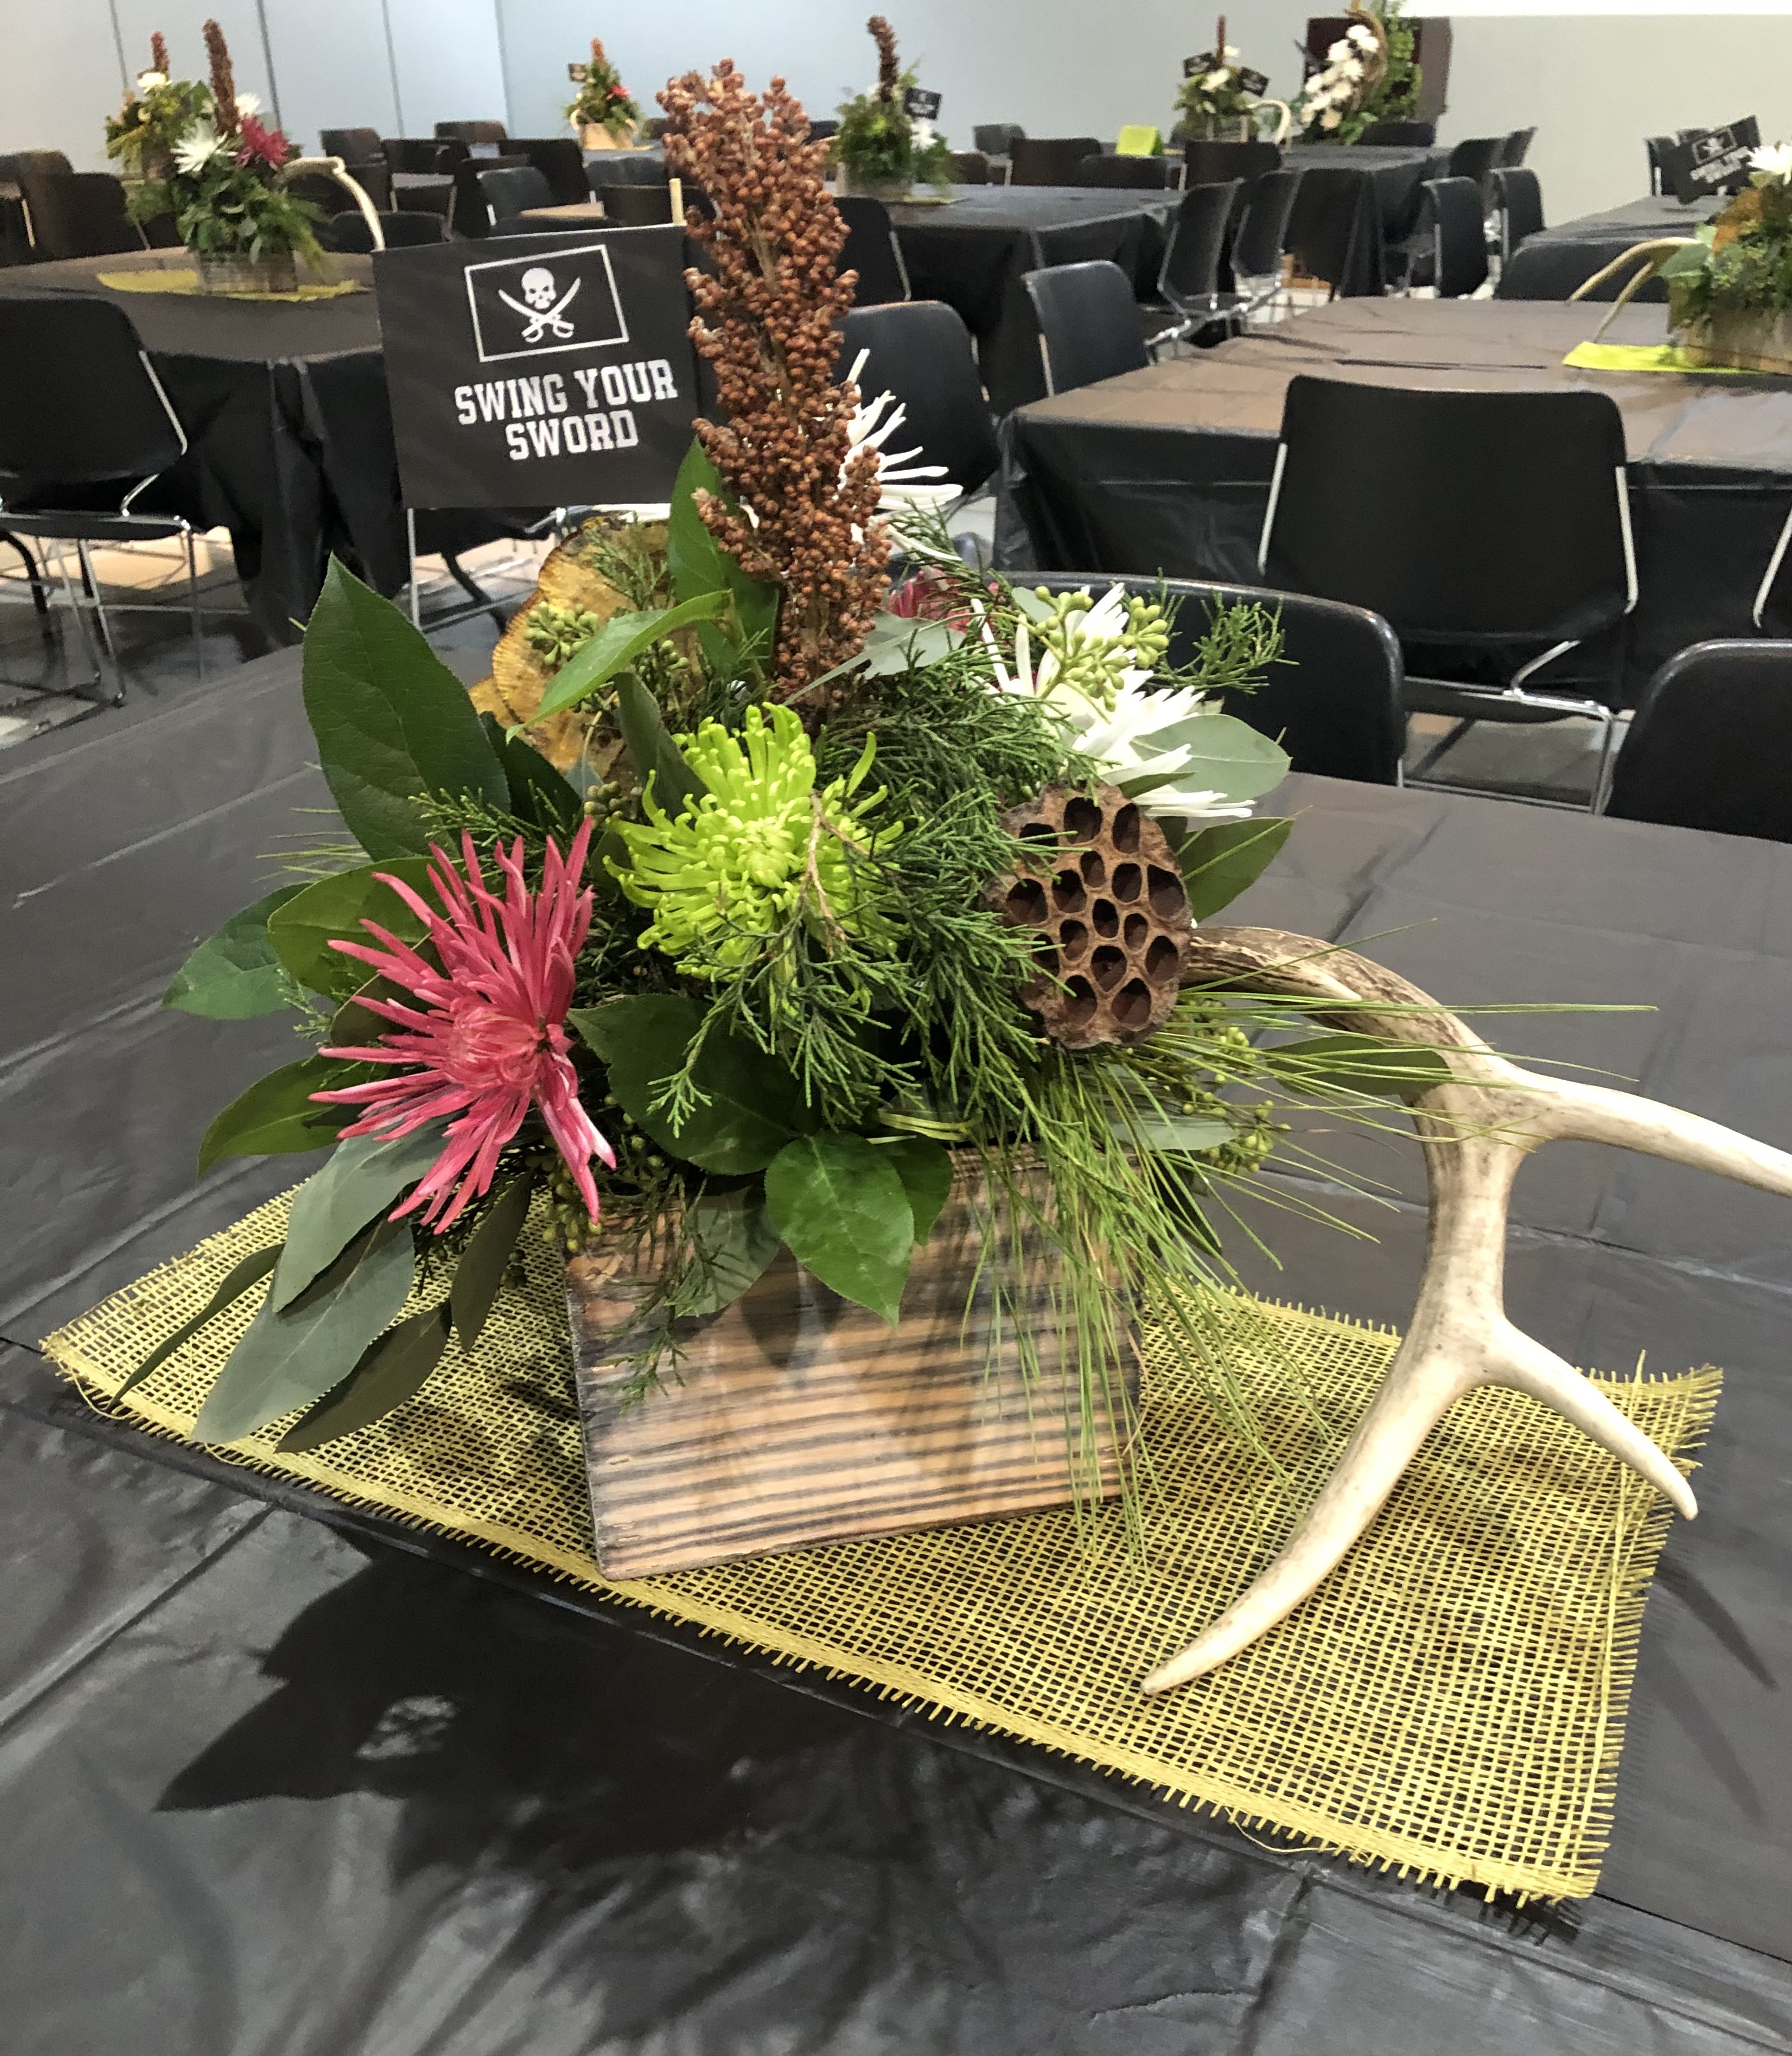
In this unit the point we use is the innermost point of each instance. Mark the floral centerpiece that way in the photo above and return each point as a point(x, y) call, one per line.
point(1368, 76)
point(1730, 289)
point(202, 154)
point(602, 111)
point(881, 149)
point(1219, 100)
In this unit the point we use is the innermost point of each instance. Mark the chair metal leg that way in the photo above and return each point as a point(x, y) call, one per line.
point(192, 602)
point(92, 584)
point(1607, 758)
point(464, 579)
point(40, 599)
point(90, 651)
point(410, 546)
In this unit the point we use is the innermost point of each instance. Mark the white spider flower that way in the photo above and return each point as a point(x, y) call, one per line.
point(1362, 36)
point(147, 82)
point(1773, 160)
point(1340, 48)
point(1127, 731)
point(920, 133)
point(900, 480)
point(198, 147)
point(1228, 52)
point(1351, 69)
point(247, 103)
point(1215, 81)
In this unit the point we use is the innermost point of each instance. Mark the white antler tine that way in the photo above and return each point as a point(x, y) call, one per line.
point(1595, 1113)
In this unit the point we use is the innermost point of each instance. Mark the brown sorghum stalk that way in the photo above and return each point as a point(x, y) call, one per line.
point(223, 82)
point(158, 53)
point(889, 71)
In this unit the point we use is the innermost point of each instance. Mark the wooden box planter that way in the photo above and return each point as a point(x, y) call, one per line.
point(796, 1417)
point(1742, 342)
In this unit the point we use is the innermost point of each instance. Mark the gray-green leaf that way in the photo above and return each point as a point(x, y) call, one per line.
point(1360, 1064)
point(843, 1211)
point(734, 1241)
point(236, 974)
point(1224, 858)
point(364, 1177)
point(925, 1168)
point(392, 1370)
point(480, 1273)
point(1226, 757)
point(237, 1281)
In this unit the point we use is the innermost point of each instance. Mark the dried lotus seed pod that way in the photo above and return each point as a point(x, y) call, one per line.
point(1110, 912)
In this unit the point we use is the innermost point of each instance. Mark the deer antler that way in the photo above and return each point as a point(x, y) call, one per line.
point(1475, 1131)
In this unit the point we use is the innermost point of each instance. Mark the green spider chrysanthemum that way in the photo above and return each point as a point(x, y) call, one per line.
point(756, 847)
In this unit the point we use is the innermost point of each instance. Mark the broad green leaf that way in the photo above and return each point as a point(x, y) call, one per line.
point(365, 1176)
point(925, 1168)
point(1226, 757)
point(616, 646)
point(1180, 1134)
point(237, 973)
point(480, 1273)
point(842, 1210)
point(236, 1283)
point(698, 564)
point(1219, 861)
point(288, 1359)
point(302, 929)
point(1360, 1064)
point(752, 1106)
point(392, 1370)
point(734, 1240)
point(538, 792)
point(277, 1115)
point(392, 721)
point(654, 754)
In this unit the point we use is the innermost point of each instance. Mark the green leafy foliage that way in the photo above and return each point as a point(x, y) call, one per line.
point(236, 1282)
point(277, 1115)
point(697, 564)
point(391, 1369)
point(290, 1357)
point(302, 929)
point(1359, 1064)
point(617, 645)
point(658, 761)
point(363, 1178)
point(840, 1206)
point(1225, 756)
point(1219, 861)
point(925, 1169)
point(731, 1242)
point(479, 1274)
point(539, 795)
point(236, 974)
point(393, 723)
point(747, 1103)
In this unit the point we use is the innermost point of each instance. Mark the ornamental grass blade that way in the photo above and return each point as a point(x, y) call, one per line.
point(288, 1359)
point(366, 1174)
point(844, 1214)
point(480, 1273)
point(237, 1281)
point(1323, 1065)
point(237, 973)
point(394, 1369)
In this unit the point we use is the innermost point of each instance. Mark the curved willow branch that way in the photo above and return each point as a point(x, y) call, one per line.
point(1474, 1132)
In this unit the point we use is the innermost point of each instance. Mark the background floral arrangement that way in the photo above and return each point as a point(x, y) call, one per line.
point(1217, 93)
point(602, 100)
point(879, 142)
point(790, 936)
point(1741, 263)
point(203, 154)
point(1369, 76)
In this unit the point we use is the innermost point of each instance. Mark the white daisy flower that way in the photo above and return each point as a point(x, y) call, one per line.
point(197, 149)
point(1351, 69)
point(147, 82)
point(1340, 48)
point(1216, 81)
point(247, 103)
point(1775, 161)
point(1362, 37)
point(1331, 119)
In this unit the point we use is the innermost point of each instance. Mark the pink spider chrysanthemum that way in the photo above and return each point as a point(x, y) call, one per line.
point(487, 1037)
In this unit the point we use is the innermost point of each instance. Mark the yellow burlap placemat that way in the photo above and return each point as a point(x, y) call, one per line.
point(173, 281)
point(1651, 357)
point(1450, 1703)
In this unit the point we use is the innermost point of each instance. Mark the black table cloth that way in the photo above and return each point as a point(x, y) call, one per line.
point(1168, 469)
point(295, 471)
point(1552, 263)
point(1355, 202)
point(283, 1781)
point(972, 253)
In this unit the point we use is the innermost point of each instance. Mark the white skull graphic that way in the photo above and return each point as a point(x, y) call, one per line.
point(539, 288)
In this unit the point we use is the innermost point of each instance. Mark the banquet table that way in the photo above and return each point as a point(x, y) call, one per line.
point(1356, 201)
point(282, 1777)
point(1550, 264)
point(971, 251)
point(1168, 469)
point(285, 410)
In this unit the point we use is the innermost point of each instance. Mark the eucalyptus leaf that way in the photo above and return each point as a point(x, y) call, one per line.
point(392, 1370)
point(734, 1241)
point(277, 1115)
point(925, 1168)
point(364, 1177)
point(236, 974)
point(393, 723)
point(1226, 757)
point(751, 1104)
point(287, 1359)
point(1360, 1064)
point(1179, 1134)
point(617, 644)
point(302, 929)
point(1219, 861)
point(236, 1282)
point(841, 1208)
point(480, 1273)
point(656, 756)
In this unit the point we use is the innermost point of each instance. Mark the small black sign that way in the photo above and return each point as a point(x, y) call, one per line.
point(1254, 82)
point(558, 374)
point(1705, 161)
point(920, 106)
point(1257, 83)
point(578, 73)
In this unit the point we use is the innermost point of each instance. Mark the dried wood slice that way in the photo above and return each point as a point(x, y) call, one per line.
point(1107, 903)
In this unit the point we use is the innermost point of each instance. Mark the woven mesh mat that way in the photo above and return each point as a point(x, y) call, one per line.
point(1450, 1703)
point(187, 283)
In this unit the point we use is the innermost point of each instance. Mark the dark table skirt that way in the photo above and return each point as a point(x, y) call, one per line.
point(1551, 264)
point(1168, 469)
point(1354, 204)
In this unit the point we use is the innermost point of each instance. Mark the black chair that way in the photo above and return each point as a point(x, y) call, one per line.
point(1213, 163)
point(1484, 527)
point(871, 251)
point(1261, 241)
point(921, 351)
point(1773, 603)
point(400, 228)
point(1048, 160)
point(473, 132)
point(637, 206)
point(561, 162)
point(1552, 267)
point(970, 168)
point(86, 430)
point(1458, 236)
point(1334, 703)
point(510, 188)
point(1401, 135)
point(79, 214)
point(1475, 158)
point(1710, 742)
point(1518, 148)
point(823, 132)
point(417, 155)
point(1088, 321)
point(1135, 174)
point(1188, 278)
point(1658, 147)
point(1518, 201)
point(609, 168)
point(471, 216)
point(997, 139)
point(363, 159)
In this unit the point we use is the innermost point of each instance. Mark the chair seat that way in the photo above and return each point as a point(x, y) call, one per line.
point(81, 524)
point(1466, 702)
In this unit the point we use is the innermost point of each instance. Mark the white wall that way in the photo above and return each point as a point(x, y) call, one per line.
point(1593, 86)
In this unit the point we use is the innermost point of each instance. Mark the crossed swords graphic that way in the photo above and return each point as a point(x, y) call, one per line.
point(540, 320)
